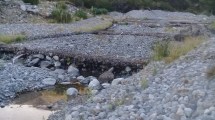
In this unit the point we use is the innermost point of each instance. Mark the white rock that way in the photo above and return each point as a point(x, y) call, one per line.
point(127, 69)
point(188, 111)
point(49, 81)
point(180, 111)
point(117, 81)
point(57, 64)
point(73, 70)
point(94, 84)
point(72, 92)
point(106, 85)
point(23, 7)
point(80, 78)
point(56, 58)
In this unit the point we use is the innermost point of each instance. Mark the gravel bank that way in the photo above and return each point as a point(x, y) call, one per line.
point(16, 78)
point(180, 91)
point(44, 30)
point(120, 49)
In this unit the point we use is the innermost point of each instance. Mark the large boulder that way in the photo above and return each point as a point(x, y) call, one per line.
point(107, 76)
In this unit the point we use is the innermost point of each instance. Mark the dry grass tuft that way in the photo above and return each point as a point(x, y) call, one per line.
point(172, 50)
point(7, 39)
point(211, 72)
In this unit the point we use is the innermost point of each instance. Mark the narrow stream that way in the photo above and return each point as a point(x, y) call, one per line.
point(37, 105)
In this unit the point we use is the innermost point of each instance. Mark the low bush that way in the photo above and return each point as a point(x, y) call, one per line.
point(32, 2)
point(98, 11)
point(61, 14)
point(161, 50)
point(81, 14)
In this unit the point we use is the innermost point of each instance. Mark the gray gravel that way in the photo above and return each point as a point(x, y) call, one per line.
point(179, 91)
point(168, 16)
point(111, 48)
point(45, 29)
point(15, 78)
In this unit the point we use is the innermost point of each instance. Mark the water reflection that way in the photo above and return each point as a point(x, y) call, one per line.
point(23, 112)
point(38, 105)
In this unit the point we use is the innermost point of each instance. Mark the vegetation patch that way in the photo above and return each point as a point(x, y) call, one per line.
point(211, 72)
point(212, 26)
point(61, 14)
point(32, 2)
point(7, 39)
point(144, 83)
point(98, 11)
point(80, 14)
point(172, 50)
point(100, 26)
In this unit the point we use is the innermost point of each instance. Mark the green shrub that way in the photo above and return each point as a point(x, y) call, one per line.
point(33, 2)
point(99, 11)
point(161, 50)
point(61, 5)
point(81, 14)
point(61, 14)
point(212, 26)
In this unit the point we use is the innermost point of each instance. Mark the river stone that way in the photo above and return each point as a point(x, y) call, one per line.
point(49, 81)
point(73, 71)
point(117, 81)
point(83, 80)
point(34, 62)
point(73, 92)
point(188, 111)
point(107, 76)
point(94, 84)
point(127, 69)
point(56, 58)
point(48, 58)
point(39, 56)
point(45, 64)
point(106, 85)
point(57, 64)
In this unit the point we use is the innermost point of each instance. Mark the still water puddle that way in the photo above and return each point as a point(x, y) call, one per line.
point(37, 105)
point(23, 112)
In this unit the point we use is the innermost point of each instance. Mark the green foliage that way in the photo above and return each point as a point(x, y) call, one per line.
point(212, 26)
point(206, 6)
point(33, 2)
point(61, 5)
point(60, 14)
point(161, 50)
point(81, 14)
point(99, 11)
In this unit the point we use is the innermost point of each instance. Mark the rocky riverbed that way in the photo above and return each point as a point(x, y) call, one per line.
point(102, 58)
